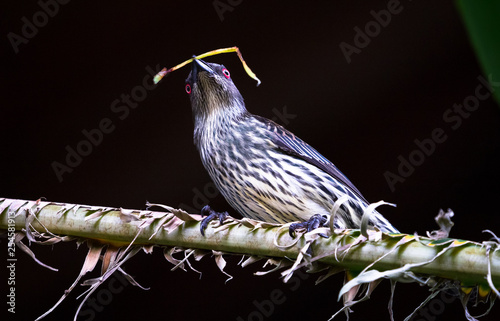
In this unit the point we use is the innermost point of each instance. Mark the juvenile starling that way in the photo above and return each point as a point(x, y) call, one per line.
point(264, 171)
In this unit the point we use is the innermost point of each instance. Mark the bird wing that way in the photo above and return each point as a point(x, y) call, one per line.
point(291, 144)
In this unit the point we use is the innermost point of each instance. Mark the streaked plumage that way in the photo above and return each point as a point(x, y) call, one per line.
point(264, 171)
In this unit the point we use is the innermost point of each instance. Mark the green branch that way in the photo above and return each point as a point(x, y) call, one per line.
point(395, 256)
point(467, 263)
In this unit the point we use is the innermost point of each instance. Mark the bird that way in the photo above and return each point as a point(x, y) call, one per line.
point(264, 171)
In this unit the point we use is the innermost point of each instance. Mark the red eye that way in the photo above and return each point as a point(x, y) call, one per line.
point(226, 73)
point(188, 88)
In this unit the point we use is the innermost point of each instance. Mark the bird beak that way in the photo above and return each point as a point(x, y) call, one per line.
point(200, 65)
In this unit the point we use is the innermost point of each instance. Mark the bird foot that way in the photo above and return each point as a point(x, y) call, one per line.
point(317, 220)
point(210, 216)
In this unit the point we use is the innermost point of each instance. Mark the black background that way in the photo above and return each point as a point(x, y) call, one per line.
point(361, 115)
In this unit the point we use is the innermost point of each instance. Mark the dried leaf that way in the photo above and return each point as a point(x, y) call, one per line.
point(278, 264)
point(391, 299)
point(89, 264)
point(67, 208)
point(172, 224)
point(403, 240)
point(109, 258)
point(228, 223)
point(17, 206)
point(199, 254)
point(168, 253)
point(27, 250)
point(221, 264)
point(123, 256)
point(166, 207)
point(443, 219)
point(162, 222)
point(490, 246)
point(252, 259)
point(191, 252)
point(183, 215)
point(349, 298)
point(148, 249)
point(131, 279)
point(187, 254)
point(283, 232)
point(368, 213)
point(128, 216)
point(302, 255)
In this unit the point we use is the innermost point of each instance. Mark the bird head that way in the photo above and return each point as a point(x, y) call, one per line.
point(212, 91)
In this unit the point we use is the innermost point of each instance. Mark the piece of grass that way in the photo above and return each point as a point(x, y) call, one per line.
point(166, 71)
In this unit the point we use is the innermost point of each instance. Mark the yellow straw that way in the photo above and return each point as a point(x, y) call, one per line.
point(166, 71)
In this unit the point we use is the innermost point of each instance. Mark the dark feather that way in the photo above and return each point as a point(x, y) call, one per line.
point(292, 145)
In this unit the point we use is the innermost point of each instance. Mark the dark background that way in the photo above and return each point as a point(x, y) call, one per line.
point(361, 115)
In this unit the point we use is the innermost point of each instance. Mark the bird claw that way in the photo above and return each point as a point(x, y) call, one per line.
point(210, 216)
point(317, 220)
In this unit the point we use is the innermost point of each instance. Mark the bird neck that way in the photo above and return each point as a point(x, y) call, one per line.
point(214, 120)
